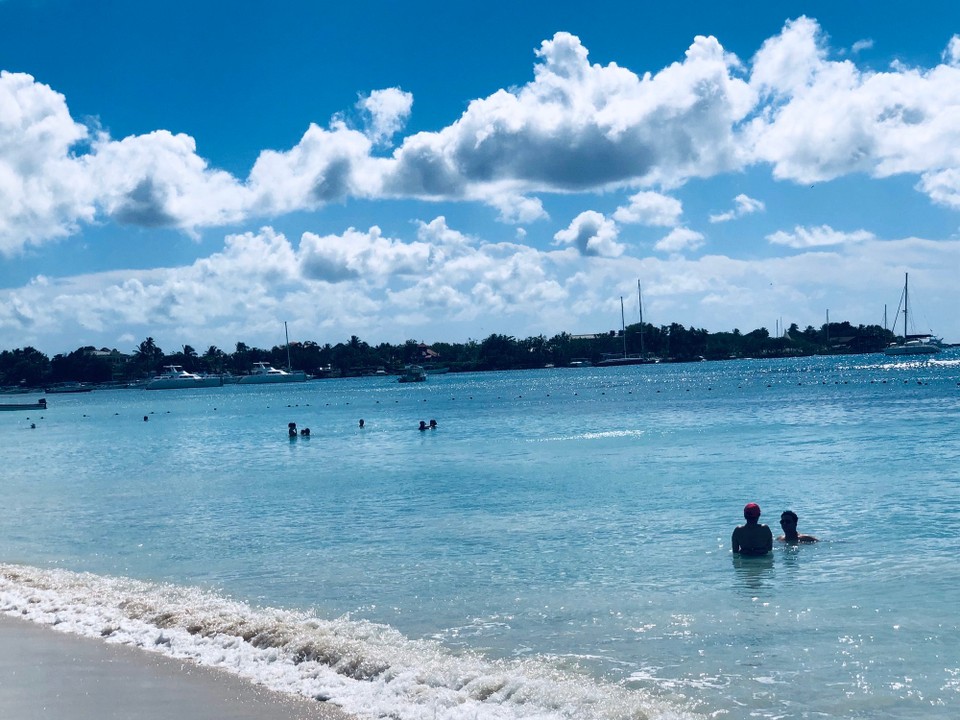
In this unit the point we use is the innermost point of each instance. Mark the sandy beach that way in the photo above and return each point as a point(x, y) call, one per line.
point(49, 674)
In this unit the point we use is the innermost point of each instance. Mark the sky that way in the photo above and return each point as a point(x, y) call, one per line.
point(203, 172)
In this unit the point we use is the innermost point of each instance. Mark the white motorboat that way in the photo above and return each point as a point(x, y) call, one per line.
point(175, 377)
point(264, 373)
point(412, 373)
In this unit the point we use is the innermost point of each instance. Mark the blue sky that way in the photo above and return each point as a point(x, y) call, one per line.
point(201, 172)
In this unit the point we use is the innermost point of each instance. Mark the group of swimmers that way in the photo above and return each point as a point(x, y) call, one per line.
point(292, 430)
point(305, 432)
point(754, 539)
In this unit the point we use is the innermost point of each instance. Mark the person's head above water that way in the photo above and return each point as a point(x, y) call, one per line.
point(788, 517)
point(751, 511)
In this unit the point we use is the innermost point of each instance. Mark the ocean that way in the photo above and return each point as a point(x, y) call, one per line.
point(559, 547)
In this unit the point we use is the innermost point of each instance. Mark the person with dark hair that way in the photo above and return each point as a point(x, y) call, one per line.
point(788, 521)
point(752, 538)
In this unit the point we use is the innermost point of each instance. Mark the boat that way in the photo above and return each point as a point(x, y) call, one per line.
point(68, 387)
point(924, 344)
point(264, 373)
point(40, 404)
point(175, 377)
point(412, 373)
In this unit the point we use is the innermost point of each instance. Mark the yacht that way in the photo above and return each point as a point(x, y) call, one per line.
point(175, 377)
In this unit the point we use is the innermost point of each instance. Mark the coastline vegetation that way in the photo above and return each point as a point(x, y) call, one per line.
point(29, 368)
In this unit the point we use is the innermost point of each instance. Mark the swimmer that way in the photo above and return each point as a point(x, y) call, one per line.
point(752, 538)
point(433, 424)
point(292, 429)
point(423, 426)
point(361, 423)
point(788, 521)
point(305, 432)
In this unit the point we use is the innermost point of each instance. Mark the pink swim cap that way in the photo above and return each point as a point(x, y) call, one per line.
point(751, 510)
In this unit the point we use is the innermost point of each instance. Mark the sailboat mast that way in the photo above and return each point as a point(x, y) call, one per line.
point(906, 285)
point(640, 305)
point(623, 325)
point(287, 336)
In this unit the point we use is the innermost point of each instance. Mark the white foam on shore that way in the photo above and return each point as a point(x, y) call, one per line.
point(365, 668)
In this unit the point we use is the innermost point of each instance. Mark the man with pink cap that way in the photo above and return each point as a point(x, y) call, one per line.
point(752, 538)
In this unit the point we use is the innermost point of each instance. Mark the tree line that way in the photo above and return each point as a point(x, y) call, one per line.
point(28, 367)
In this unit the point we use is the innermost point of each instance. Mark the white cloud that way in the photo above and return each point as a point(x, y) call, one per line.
point(650, 208)
point(158, 180)
point(325, 166)
point(680, 239)
point(467, 288)
point(823, 236)
point(44, 192)
point(861, 45)
point(367, 257)
point(744, 205)
point(579, 126)
point(951, 55)
point(387, 112)
point(831, 119)
point(591, 234)
point(575, 127)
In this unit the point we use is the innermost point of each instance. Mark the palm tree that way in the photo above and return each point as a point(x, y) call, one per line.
point(148, 356)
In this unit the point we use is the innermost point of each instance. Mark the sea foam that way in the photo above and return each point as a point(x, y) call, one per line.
point(365, 668)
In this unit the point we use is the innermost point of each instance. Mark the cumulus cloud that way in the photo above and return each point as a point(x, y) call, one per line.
point(823, 236)
point(386, 112)
point(829, 118)
point(744, 205)
point(591, 234)
point(650, 208)
point(574, 127)
point(679, 240)
point(158, 180)
point(44, 192)
point(951, 55)
point(580, 126)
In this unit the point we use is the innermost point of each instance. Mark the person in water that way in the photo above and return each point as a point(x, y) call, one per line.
point(292, 429)
point(423, 425)
point(433, 424)
point(788, 521)
point(752, 538)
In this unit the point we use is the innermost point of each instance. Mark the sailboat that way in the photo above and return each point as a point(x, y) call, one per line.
point(264, 373)
point(925, 344)
point(616, 360)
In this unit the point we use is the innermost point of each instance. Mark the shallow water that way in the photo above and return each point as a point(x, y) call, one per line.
point(558, 547)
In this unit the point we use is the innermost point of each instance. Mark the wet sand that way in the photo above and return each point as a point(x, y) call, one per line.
point(49, 674)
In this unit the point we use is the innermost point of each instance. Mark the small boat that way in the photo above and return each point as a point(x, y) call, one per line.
point(412, 373)
point(175, 377)
point(912, 344)
point(40, 404)
point(68, 387)
point(264, 373)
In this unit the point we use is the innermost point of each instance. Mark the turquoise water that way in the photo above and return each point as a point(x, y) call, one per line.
point(564, 532)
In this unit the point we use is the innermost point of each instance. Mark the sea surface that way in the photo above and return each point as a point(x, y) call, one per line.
point(559, 547)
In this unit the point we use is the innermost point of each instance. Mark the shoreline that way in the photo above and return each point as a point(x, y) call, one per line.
point(45, 673)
